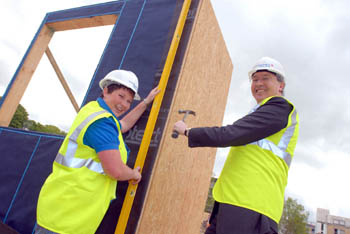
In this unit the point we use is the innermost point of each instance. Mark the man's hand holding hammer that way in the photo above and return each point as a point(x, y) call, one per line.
point(180, 127)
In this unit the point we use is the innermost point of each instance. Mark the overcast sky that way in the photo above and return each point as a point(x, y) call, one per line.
point(310, 39)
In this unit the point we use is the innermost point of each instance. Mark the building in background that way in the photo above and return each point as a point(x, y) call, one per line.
point(331, 224)
point(310, 227)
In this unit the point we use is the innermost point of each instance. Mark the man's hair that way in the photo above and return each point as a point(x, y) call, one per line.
point(112, 87)
point(281, 79)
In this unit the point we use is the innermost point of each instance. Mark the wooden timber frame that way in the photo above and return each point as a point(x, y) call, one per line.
point(33, 56)
point(179, 181)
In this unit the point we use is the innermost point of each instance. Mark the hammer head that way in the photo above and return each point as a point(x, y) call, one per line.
point(187, 112)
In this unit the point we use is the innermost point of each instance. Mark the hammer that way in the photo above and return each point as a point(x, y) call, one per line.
point(175, 134)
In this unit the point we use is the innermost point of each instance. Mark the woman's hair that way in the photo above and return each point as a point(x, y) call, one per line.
point(112, 87)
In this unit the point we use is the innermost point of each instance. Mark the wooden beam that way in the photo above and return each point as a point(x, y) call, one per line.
point(25, 73)
point(89, 22)
point(61, 78)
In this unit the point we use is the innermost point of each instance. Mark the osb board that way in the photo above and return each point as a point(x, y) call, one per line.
point(179, 185)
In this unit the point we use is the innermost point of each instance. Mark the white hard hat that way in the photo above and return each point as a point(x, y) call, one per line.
point(123, 77)
point(269, 64)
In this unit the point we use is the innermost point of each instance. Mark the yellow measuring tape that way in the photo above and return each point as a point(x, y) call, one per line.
point(141, 156)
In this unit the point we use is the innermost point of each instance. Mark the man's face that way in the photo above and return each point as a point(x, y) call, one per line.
point(264, 85)
point(119, 100)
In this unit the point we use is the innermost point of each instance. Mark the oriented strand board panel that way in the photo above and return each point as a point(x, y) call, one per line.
point(181, 176)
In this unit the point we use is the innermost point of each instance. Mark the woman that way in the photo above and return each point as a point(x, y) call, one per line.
point(91, 159)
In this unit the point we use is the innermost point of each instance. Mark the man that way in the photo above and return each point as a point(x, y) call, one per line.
point(91, 159)
point(249, 193)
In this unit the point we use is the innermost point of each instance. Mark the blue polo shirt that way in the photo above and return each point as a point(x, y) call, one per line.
point(103, 133)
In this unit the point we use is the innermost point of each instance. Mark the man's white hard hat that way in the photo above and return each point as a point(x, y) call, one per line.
point(123, 77)
point(269, 64)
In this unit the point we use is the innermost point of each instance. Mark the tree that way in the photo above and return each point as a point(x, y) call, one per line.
point(20, 116)
point(38, 127)
point(294, 218)
point(20, 120)
point(210, 200)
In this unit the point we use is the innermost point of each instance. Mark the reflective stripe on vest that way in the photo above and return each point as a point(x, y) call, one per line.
point(69, 160)
point(280, 150)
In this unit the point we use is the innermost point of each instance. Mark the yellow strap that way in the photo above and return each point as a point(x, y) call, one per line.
point(141, 156)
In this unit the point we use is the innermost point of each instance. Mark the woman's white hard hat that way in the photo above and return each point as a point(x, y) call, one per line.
point(123, 77)
point(269, 64)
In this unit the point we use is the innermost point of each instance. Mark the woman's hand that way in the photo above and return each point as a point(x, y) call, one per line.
point(151, 95)
point(137, 175)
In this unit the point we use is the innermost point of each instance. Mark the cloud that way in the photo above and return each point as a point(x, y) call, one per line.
point(9, 58)
point(302, 39)
point(77, 52)
point(312, 44)
point(4, 73)
point(220, 160)
point(324, 187)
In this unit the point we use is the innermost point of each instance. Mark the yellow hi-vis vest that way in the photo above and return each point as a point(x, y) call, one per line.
point(76, 195)
point(255, 175)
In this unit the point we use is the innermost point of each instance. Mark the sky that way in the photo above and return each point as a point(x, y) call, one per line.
point(309, 38)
